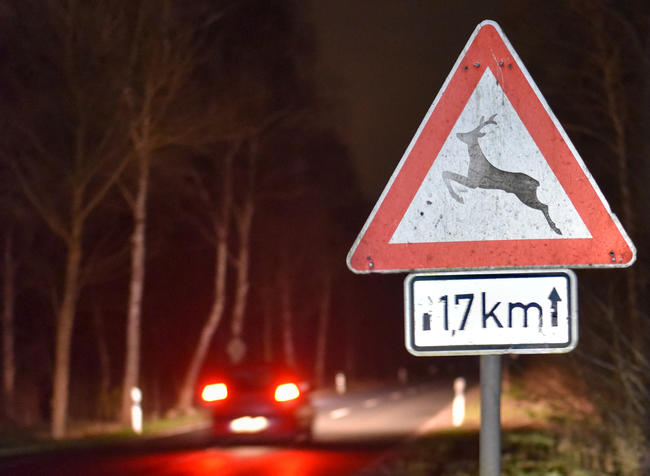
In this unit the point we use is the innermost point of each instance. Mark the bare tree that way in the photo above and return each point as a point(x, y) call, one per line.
point(605, 46)
point(243, 214)
point(67, 148)
point(626, 356)
point(217, 231)
point(163, 57)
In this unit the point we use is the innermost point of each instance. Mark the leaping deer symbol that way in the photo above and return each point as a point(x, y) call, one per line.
point(482, 174)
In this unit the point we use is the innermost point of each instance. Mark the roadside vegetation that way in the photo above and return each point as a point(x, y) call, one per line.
point(455, 453)
point(549, 428)
point(93, 434)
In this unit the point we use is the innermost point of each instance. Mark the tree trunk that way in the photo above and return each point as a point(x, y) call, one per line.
point(8, 357)
point(221, 224)
point(104, 407)
point(241, 292)
point(209, 328)
point(133, 326)
point(237, 348)
point(64, 325)
point(287, 319)
point(323, 328)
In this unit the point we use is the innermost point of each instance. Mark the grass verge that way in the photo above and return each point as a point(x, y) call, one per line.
point(92, 434)
point(456, 453)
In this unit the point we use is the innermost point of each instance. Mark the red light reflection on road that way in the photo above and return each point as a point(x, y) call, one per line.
point(243, 461)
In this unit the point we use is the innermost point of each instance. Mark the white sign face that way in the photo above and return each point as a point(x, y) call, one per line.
point(527, 312)
point(482, 213)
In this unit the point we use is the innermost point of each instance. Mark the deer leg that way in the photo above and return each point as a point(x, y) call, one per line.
point(548, 219)
point(531, 200)
point(449, 176)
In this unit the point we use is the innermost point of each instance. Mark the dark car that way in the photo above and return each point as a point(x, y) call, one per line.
point(259, 400)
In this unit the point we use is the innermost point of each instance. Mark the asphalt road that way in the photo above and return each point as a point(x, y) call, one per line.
point(352, 433)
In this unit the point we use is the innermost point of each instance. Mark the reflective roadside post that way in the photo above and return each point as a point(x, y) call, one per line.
point(458, 404)
point(136, 410)
point(340, 383)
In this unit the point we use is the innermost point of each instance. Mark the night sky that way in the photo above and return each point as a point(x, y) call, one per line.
point(384, 62)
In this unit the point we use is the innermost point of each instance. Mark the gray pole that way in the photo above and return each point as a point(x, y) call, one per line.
point(490, 442)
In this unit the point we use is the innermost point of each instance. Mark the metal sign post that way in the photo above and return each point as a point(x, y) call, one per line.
point(490, 313)
point(490, 439)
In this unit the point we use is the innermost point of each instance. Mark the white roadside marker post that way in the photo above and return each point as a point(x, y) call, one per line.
point(136, 410)
point(458, 404)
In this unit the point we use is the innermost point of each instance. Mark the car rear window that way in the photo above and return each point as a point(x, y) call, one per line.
point(252, 378)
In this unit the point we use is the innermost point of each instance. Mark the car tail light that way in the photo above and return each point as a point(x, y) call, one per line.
point(214, 392)
point(286, 392)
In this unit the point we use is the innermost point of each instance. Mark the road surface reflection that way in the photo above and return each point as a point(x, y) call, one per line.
point(352, 433)
point(240, 461)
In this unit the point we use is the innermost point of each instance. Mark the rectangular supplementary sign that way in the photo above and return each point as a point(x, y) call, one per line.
point(510, 312)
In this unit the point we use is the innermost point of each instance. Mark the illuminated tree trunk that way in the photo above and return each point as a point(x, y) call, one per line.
point(209, 327)
point(64, 326)
point(163, 60)
point(237, 349)
point(221, 226)
point(134, 316)
point(244, 217)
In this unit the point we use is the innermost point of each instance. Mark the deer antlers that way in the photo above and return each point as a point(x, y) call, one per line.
point(476, 132)
point(483, 123)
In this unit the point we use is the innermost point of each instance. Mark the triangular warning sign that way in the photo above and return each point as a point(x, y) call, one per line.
point(490, 180)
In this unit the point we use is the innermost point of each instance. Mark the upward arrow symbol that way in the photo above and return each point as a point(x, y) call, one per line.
point(554, 297)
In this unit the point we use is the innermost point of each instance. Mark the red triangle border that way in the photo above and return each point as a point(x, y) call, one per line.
point(489, 48)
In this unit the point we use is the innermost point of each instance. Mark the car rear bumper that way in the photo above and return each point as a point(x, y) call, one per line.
point(250, 423)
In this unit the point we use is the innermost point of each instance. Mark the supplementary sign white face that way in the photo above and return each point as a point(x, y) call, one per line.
point(491, 313)
point(479, 212)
